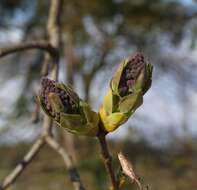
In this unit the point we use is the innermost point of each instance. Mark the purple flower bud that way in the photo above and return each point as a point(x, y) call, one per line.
point(130, 73)
point(53, 92)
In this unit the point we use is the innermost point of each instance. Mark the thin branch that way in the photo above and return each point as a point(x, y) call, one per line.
point(53, 24)
point(42, 45)
point(107, 159)
point(36, 113)
point(72, 171)
point(54, 30)
point(34, 150)
point(52, 47)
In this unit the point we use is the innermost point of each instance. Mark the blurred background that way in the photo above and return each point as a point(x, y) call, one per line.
point(160, 138)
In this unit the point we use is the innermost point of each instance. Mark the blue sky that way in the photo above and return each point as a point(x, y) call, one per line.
point(187, 2)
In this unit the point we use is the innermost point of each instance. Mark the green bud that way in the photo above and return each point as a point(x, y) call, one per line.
point(64, 106)
point(128, 85)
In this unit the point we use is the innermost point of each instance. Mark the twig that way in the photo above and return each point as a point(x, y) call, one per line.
point(74, 176)
point(53, 29)
point(42, 45)
point(36, 112)
point(34, 150)
point(52, 47)
point(107, 159)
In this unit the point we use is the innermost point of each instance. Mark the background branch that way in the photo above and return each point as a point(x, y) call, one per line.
point(34, 150)
point(54, 29)
point(42, 45)
point(74, 176)
point(52, 47)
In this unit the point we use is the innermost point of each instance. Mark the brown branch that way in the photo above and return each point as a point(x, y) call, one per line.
point(54, 30)
point(34, 150)
point(36, 113)
point(52, 47)
point(42, 45)
point(72, 171)
point(107, 159)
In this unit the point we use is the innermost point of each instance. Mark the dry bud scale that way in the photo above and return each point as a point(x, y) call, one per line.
point(64, 106)
point(128, 85)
